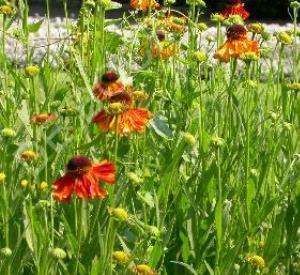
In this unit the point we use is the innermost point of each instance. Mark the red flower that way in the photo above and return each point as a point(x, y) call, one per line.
point(237, 8)
point(128, 121)
point(82, 177)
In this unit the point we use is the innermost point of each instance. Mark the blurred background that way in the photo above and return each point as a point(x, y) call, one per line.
point(259, 9)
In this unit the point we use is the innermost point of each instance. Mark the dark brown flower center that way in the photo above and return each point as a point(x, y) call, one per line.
point(110, 76)
point(79, 165)
point(122, 97)
point(236, 32)
point(160, 35)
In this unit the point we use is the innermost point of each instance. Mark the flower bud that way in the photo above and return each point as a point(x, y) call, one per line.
point(58, 253)
point(32, 70)
point(284, 38)
point(139, 95)
point(24, 183)
point(154, 231)
point(7, 10)
point(257, 28)
point(120, 257)
point(143, 269)
point(8, 132)
point(295, 5)
point(256, 260)
point(44, 185)
point(217, 141)
point(200, 56)
point(189, 139)
point(119, 213)
point(198, 3)
point(217, 17)
point(29, 155)
point(5, 251)
point(202, 27)
point(136, 180)
point(294, 86)
point(2, 177)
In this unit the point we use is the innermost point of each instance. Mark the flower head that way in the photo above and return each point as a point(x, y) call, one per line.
point(58, 253)
point(144, 5)
point(122, 116)
point(120, 257)
point(119, 213)
point(32, 70)
point(143, 269)
point(7, 9)
point(108, 86)
point(43, 118)
point(2, 177)
point(236, 7)
point(257, 28)
point(8, 132)
point(43, 185)
point(284, 37)
point(29, 155)
point(237, 45)
point(82, 178)
point(256, 260)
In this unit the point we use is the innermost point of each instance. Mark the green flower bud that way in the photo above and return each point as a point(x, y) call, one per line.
point(32, 70)
point(295, 5)
point(189, 139)
point(58, 253)
point(202, 27)
point(8, 132)
point(200, 56)
point(5, 251)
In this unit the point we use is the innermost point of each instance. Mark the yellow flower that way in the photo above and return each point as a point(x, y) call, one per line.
point(29, 155)
point(119, 213)
point(24, 183)
point(44, 185)
point(2, 177)
point(120, 257)
point(32, 70)
point(7, 10)
point(256, 260)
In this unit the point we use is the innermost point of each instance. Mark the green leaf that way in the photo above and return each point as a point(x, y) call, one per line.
point(34, 27)
point(188, 267)
point(160, 126)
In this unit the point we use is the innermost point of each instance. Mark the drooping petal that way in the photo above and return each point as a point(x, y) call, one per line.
point(133, 120)
point(64, 188)
point(104, 171)
point(104, 121)
point(87, 188)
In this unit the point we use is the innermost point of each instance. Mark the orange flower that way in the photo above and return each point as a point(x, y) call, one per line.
point(144, 5)
point(173, 23)
point(143, 269)
point(43, 118)
point(81, 177)
point(121, 111)
point(128, 121)
point(237, 8)
point(164, 50)
point(237, 44)
point(108, 86)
